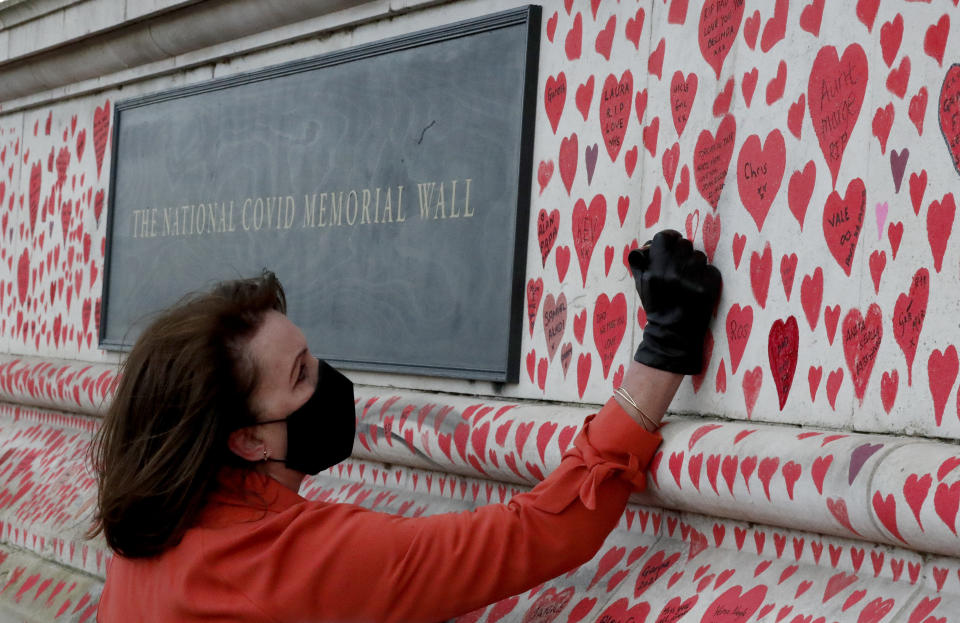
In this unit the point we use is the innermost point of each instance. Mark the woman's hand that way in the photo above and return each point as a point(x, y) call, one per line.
point(678, 290)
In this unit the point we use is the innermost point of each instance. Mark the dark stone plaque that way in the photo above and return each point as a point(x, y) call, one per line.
point(386, 185)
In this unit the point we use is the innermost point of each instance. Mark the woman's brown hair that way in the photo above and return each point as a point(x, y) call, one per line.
point(184, 386)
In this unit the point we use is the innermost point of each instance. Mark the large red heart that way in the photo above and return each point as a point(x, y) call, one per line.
point(615, 102)
point(950, 113)
point(609, 325)
point(835, 93)
point(908, 314)
point(735, 605)
point(843, 221)
point(554, 97)
point(682, 93)
point(548, 606)
point(676, 609)
point(548, 224)
point(587, 225)
point(759, 173)
point(653, 570)
point(861, 341)
point(711, 159)
point(782, 347)
point(554, 321)
point(621, 610)
point(719, 26)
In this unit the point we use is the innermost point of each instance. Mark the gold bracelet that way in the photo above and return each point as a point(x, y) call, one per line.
point(620, 391)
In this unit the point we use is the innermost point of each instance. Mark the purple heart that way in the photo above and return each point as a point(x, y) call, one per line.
point(898, 163)
point(859, 456)
point(591, 155)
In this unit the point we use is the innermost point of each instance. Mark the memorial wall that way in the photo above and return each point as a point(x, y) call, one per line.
point(810, 148)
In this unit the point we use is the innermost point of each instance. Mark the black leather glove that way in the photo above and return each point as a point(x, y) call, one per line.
point(678, 290)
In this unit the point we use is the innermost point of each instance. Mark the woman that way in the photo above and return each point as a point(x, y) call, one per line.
point(221, 412)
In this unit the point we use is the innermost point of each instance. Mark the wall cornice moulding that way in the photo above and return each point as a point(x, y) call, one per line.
point(60, 48)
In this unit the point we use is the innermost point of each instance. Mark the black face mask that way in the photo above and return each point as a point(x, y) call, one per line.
point(320, 433)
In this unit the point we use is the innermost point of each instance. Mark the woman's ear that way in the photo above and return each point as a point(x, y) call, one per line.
point(247, 444)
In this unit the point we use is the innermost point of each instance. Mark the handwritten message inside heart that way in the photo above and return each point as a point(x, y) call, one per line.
point(843, 221)
point(861, 341)
point(734, 605)
point(711, 159)
point(615, 101)
point(759, 174)
point(949, 111)
point(587, 226)
point(554, 97)
point(719, 26)
point(739, 325)
point(783, 345)
point(908, 315)
point(609, 325)
point(554, 321)
point(548, 225)
point(835, 93)
point(682, 93)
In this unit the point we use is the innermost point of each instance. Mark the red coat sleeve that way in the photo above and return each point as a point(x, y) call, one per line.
point(340, 562)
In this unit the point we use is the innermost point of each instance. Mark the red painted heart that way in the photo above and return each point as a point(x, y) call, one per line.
point(609, 325)
point(683, 91)
point(719, 26)
point(908, 315)
point(711, 159)
point(861, 341)
point(782, 348)
point(835, 93)
point(587, 226)
point(949, 111)
point(759, 174)
point(615, 101)
point(843, 221)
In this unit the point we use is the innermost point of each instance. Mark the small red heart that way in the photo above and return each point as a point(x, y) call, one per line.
point(776, 86)
point(750, 29)
point(739, 241)
point(749, 84)
point(935, 40)
point(655, 62)
point(721, 105)
point(891, 34)
point(572, 43)
point(812, 16)
point(795, 116)
point(584, 97)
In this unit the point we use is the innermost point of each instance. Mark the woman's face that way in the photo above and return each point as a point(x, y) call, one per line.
point(287, 376)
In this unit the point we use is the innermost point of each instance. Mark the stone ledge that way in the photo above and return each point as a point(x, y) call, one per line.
point(33, 589)
point(653, 561)
point(888, 489)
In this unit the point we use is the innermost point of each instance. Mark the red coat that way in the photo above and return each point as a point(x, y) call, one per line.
point(302, 560)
